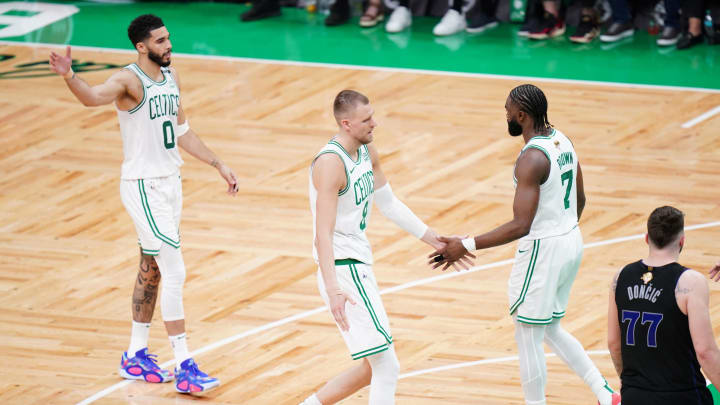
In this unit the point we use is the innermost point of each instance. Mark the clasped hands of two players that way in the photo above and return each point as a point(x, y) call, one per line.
point(453, 253)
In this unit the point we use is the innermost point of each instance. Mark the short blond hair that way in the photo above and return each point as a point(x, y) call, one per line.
point(347, 100)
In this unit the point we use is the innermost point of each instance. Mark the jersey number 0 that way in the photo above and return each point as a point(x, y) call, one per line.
point(168, 135)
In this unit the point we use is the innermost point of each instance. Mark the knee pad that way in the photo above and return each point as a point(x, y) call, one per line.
point(385, 366)
point(385, 373)
point(172, 269)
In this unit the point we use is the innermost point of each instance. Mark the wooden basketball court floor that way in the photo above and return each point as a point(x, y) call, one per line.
point(68, 253)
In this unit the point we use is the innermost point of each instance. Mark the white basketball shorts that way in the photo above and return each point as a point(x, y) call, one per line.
point(369, 331)
point(155, 205)
point(542, 276)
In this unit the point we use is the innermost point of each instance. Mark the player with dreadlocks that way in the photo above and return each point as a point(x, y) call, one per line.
point(549, 199)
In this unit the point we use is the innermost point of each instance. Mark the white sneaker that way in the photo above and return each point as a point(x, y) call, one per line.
point(451, 23)
point(399, 20)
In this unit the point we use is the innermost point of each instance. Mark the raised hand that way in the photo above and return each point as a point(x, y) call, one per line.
point(61, 64)
point(337, 307)
point(230, 178)
point(715, 272)
point(453, 254)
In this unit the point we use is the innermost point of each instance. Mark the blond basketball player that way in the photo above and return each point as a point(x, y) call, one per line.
point(146, 95)
point(549, 200)
point(345, 180)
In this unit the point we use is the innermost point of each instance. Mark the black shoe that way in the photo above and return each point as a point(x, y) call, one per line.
point(688, 40)
point(586, 31)
point(262, 9)
point(668, 36)
point(549, 27)
point(529, 25)
point(479, 22)
point(618, 31)
point(339, 13)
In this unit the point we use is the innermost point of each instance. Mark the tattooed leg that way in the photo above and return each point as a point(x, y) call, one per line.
point(146, 289)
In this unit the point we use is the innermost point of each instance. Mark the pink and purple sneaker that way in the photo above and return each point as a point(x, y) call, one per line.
point(190, 380)
point(143, 367)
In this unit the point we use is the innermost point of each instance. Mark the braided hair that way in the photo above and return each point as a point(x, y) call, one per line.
point(532, 101)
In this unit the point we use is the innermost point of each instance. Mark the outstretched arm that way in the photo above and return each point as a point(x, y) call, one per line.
point(192, 144)
point(395, 210)
point(531, 170)
point(90, 96)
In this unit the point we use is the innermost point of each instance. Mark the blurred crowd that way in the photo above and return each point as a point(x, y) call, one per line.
point(680, 23)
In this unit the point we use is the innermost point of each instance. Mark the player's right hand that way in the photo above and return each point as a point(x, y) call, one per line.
point(61, 64)
point(715, 272)
point(337, 300)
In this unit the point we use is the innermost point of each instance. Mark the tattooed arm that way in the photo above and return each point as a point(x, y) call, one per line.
point(693, 298)
point(614, 345)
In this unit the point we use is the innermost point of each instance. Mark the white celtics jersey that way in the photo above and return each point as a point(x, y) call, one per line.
point(354, 205)
point(557, 209)
point(149, 129)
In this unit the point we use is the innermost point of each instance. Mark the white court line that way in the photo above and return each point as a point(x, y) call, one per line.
point(383, 69)
point(701, 118)
point(400, 287)
point(485, 361)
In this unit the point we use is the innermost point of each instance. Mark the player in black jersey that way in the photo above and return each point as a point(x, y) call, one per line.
point(659, 330)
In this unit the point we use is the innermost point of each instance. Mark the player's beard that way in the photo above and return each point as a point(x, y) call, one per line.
point(514, 128)
point(157, 58)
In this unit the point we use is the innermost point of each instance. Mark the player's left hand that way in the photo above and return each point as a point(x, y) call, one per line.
point(715, 272)
point(230, 178)
point(453, 254)
point(61, 64)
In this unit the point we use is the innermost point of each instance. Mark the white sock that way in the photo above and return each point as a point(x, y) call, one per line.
point(138, 338)
point(572, 353)
point(533, 371)
point(311, 400)
point(179, 345)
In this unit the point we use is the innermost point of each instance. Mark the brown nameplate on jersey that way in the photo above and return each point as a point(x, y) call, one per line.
point(647, 277)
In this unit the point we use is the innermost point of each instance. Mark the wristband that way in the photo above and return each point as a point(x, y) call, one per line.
point(69, 74)
point(469, 244)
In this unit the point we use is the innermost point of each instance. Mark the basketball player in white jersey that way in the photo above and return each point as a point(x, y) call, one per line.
point(146, 95)
point(345, 179)
point(549, 200)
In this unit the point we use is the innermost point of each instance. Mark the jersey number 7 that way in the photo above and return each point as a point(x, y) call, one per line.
point(647, 317)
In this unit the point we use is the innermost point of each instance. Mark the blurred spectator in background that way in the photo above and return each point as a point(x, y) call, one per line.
point(261, 9)
point(587, 28)
point(671, 25)
point(453, 21)
point(373, 14)
point(695, 11)
point(621, 25)
point(400, 18)
point(481, 16)
point(533, 15)
point(551, 24)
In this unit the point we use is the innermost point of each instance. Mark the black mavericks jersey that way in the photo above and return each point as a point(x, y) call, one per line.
point(657, 350)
